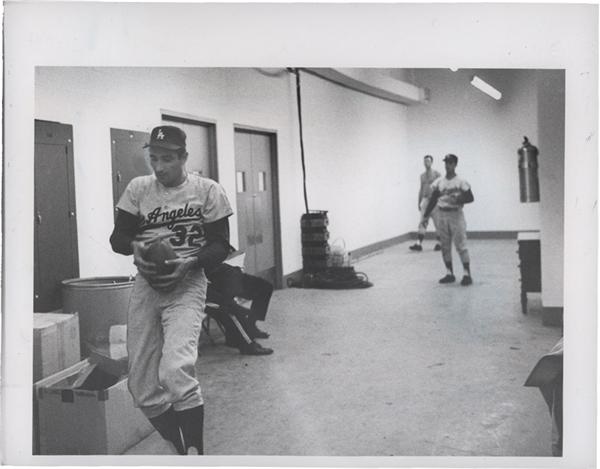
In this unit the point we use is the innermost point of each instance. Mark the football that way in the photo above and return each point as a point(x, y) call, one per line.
point(159, 252)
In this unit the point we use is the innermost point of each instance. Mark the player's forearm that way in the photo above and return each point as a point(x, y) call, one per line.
point(217, 247)
point(465, 197)
point(432, 202)
point(124, 233)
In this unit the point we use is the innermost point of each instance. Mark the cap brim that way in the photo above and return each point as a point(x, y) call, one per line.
point(165, 146)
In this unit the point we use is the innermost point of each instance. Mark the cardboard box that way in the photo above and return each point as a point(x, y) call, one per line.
point(97, 417)
point(55, 347)
point(55, 343)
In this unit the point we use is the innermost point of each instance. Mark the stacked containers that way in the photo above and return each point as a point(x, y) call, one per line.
point(315, 236)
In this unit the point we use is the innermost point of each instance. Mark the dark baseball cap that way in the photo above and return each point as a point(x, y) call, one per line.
point(451, 158)
point(168, 137)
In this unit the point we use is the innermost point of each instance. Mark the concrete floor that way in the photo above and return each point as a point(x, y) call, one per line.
point(405, 368)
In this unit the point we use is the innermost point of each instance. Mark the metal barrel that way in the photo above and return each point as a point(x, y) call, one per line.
point(101, 302)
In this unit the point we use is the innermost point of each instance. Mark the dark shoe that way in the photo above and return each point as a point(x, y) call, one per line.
point(466, 280)
point(437, 247)
point(416, 247)
point(449, 278)
point(255, 348)
point(167, 426)
point(191, 422)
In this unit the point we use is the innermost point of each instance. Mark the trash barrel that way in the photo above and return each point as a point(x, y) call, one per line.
point(101, 302)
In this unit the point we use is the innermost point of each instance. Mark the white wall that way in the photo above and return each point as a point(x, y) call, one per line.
point(356, 148)
point(485, 135)
point(355, 145)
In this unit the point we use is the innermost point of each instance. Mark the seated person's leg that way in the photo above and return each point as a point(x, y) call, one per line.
point(259, 291)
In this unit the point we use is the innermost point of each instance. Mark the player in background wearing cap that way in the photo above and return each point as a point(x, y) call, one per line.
point(166, 310)
point(427, 178)
point(450, 193)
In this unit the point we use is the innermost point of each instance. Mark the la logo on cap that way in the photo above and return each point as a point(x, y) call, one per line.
point(160, 135)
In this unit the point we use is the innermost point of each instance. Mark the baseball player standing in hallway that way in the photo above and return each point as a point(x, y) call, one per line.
point(450, 193)
point(427, 179)
point(166, 309)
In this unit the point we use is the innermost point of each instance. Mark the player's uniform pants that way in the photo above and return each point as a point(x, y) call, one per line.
point(425, 221)
point(452, 227)
point(162, 342)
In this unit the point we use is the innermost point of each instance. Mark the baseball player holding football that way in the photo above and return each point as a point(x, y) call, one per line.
point(190, 214)
point(450, 193)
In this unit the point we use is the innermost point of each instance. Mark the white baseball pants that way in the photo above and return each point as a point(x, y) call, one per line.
point(162, 342)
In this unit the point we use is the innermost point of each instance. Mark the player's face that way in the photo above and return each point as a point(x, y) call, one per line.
point(168, 166)
point(427, 162)
point(450, 166)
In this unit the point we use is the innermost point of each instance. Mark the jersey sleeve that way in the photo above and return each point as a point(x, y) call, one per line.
point(435, 185)
point(129, 201)
point(216, 205)
point(465, 186)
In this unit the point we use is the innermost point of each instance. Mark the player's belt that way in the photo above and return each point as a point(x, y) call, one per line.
point(449, 209)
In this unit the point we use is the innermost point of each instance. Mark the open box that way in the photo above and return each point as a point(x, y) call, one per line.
point(87, 410)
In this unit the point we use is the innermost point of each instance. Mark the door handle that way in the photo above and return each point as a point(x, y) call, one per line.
point(39, 218)
point(119, 177)
point(72, 214)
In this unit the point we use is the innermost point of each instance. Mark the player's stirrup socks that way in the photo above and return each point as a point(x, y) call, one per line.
point(467, 267)
point(191, 422)
point(420, 238)
point(167, 426)
point(449, 266)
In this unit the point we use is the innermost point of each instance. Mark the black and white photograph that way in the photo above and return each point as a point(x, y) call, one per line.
point(300, 234)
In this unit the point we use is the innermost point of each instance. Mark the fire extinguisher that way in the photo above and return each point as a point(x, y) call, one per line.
point(528, 172)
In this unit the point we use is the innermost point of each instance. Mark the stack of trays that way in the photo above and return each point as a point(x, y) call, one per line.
point(315, 245)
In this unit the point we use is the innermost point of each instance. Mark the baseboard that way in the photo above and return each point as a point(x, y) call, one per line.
point(475, 234)
point(371, 248)
point(295, 276)
point(552, 316)
point(378, 246)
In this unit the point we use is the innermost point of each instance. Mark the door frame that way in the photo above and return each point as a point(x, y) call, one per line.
point(211, 124)
point(272, 135)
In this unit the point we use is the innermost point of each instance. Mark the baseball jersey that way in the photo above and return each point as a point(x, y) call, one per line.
point(426, 181)
point(181, 211)
point(449, 189)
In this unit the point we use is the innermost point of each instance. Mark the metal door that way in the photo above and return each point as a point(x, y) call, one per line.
point(255, 202)
point(199, 145)
point(55, 233)
point(129, 158)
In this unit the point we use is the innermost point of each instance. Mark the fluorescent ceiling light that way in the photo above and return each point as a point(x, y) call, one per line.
point(454, 69)
point(485, 87)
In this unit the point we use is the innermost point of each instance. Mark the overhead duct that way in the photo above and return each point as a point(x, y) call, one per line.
point(374, 83)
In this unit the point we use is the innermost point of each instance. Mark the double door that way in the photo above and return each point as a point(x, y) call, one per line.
point(256, 198)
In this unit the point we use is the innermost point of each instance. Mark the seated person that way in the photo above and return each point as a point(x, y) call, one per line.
point(227, 283)
point(232, 282)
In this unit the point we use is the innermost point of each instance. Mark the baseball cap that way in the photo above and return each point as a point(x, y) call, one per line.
point(450, 157)
point(168, 137)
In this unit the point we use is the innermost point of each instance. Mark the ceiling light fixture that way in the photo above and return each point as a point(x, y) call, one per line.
point(485, 87)
point(454, 69)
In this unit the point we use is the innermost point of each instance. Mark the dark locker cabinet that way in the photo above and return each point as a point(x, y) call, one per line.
point(55, 218)
point(530, 265)
point(129, 158)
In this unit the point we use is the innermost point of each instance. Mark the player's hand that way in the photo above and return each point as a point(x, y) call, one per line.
point(167, 282)
point(146, 269)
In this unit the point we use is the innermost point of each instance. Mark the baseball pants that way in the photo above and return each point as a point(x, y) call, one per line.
point(425, 221)
point(162, 342)
point(452, 227)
